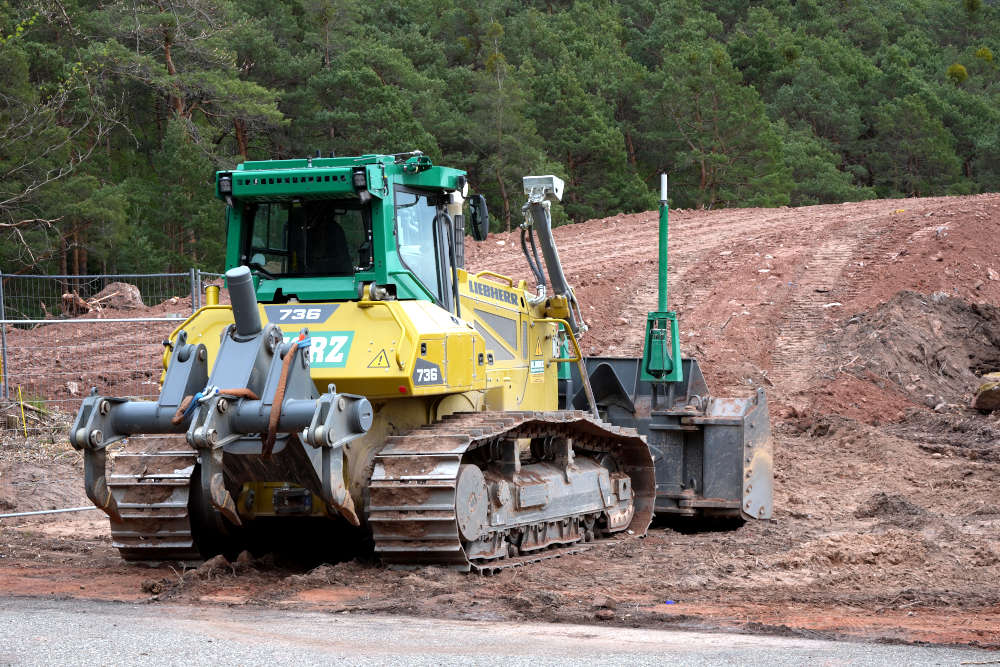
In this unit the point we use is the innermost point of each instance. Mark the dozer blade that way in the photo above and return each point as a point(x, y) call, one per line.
point(713, 456)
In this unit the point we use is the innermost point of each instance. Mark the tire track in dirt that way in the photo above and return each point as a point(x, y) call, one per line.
point(744, 281)
point(690, 251)
point(832, 277)
point(825, 241)
point(797, 354)
point(609, 242)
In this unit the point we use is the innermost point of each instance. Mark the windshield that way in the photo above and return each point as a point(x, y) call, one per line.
point(311, 238)
point(415, 235)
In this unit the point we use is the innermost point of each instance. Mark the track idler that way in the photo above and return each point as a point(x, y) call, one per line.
point(258, 400)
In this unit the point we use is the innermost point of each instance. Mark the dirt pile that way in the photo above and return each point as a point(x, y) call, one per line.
point(57, 363)
point(891, 508)
point(28, 487)
point(932, 349)
point(963, 434)
point(119, 296)
point(893, 548)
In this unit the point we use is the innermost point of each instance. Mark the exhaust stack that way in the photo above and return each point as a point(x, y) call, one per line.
point(244, 300)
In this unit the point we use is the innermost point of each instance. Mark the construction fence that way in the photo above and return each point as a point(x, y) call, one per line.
point(62, 336)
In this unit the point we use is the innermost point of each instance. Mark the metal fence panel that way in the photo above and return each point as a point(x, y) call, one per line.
point(42, 297)
point(62, 335)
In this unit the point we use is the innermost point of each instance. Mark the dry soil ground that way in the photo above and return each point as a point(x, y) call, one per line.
point(867, 324)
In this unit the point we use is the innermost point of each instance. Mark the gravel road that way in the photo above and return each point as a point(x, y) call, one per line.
point(69, 632)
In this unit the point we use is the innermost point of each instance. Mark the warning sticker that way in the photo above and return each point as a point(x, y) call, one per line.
point(538, 347)
point(537, 373)
point(381, 360)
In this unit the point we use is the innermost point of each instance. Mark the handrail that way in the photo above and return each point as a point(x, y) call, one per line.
point(576, 345)
point(493, 274)
point(403, 330)
point(584, 378)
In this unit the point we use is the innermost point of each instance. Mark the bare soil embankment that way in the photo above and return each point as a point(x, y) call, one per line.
point(866, 323)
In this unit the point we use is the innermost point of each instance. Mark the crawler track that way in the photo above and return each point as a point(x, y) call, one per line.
point(152, 490)
point(413, 501)
point(412, 508)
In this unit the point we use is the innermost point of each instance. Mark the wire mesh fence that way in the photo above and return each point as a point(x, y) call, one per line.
point(61, 336)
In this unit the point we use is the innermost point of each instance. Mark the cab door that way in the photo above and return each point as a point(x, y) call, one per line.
point(424, 237)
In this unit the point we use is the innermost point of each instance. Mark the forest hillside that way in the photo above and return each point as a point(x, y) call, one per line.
point(114, 115)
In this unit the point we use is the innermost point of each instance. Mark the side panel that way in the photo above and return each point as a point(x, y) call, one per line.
point(518, 350)
point(461, 361)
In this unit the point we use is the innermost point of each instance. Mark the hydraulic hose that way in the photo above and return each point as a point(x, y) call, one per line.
point(543, 227)
point(538, 261)
point(533, 263)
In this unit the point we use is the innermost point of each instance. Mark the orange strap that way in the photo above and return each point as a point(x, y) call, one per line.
point(242, 392)
point(181, 409)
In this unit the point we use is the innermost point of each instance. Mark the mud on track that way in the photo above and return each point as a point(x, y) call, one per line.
point(887, 519)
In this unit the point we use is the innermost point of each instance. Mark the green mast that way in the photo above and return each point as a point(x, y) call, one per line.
point(661, 354)
point(661, 305)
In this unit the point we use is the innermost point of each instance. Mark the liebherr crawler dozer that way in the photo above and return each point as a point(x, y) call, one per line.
point(364, 387)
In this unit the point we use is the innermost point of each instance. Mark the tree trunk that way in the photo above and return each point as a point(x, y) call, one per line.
point(506, 200)
point(83, 250)
point(703, 186)
point(175, 100)
point(158, 114)
point(76, 251)
point(240, 127)
point(630, 148)
point(64, 263)
point(326, 44)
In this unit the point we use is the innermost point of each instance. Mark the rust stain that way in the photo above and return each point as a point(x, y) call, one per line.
point(409, 466)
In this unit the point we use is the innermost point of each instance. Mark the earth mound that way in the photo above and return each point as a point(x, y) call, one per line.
point(932, 348)
point(892, 508)
point(120, 296)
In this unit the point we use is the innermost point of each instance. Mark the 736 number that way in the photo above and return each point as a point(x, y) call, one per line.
point(427, 375)
point(300, 314)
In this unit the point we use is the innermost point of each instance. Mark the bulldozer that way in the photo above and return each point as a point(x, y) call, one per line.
point(363, 389)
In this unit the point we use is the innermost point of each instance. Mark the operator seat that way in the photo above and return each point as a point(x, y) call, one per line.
point(326, 249)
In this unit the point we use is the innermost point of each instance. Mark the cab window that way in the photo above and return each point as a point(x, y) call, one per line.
point(418, 239)
point(312, 238)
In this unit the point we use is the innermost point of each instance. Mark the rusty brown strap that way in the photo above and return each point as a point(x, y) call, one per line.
point(242, 392)
point(181, 409)
point(279, 397)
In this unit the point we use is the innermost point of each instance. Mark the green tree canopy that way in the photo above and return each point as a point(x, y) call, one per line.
point(114, 115)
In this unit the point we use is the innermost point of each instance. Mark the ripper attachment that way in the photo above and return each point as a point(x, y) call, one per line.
point(258, 400)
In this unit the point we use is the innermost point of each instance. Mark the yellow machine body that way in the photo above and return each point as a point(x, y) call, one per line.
point(415, 361)
point(503, 348)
